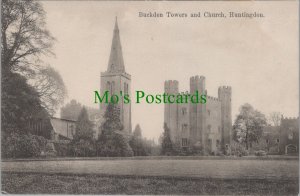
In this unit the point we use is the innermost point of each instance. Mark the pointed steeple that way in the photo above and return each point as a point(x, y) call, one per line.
point(116, 62)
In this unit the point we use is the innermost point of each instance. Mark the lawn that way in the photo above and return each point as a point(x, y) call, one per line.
point(18, 183)
point(234, 169)
point(149, 176)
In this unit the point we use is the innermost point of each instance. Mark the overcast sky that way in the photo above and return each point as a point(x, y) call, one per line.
point(258, 58)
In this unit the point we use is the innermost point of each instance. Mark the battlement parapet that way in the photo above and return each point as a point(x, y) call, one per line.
point(171, 83)
point(184, 93)
point(171, 86)
point(197, 79)
point(224, 89)
point(212, 98)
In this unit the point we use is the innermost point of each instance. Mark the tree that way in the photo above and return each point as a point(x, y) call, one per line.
point(84, 127)
point(71, 110)
point(112, 141)
point(166, 145)
point(83, 141)
point(112, 119)
point(25, 40)
point(24, 36)
point(137, 143)
point(20, 104)
point(275, 118)
point(137, 131)
point(248, 126)
point(50, 87)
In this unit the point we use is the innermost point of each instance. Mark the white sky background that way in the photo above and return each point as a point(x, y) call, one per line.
point(257, 57)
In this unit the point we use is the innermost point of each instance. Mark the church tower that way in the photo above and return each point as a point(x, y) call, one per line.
point(116, 80)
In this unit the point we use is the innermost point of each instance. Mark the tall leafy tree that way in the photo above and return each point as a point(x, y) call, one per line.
point(50, 87)
point(71, 110)
point(84, 127)
point(275, 118)
point(25, 39)
point(19, 105)
point(137, 131)
point(83, 143)
point(136, 142)
point(248, 126)
point(166, 145)
point(112, 141)
point(112, 120)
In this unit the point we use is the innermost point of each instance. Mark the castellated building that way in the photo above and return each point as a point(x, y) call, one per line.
point(208, 125)
point(115, 79)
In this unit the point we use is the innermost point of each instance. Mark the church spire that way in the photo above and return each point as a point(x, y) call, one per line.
point(116, 62)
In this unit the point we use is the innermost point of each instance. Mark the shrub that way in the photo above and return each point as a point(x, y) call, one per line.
point(238, 149)
point(23, 145)
point(63, 149)
point(114, 145)
point(50, 150)
point(83, 148)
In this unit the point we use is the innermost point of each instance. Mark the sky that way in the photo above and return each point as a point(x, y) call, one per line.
point(257, 57)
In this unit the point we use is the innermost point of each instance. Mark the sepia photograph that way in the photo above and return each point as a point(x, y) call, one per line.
point(149, 97)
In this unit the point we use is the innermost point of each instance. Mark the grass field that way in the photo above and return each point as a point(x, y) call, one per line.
point(236, 169)
point(167, 176)
point(93, 184)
